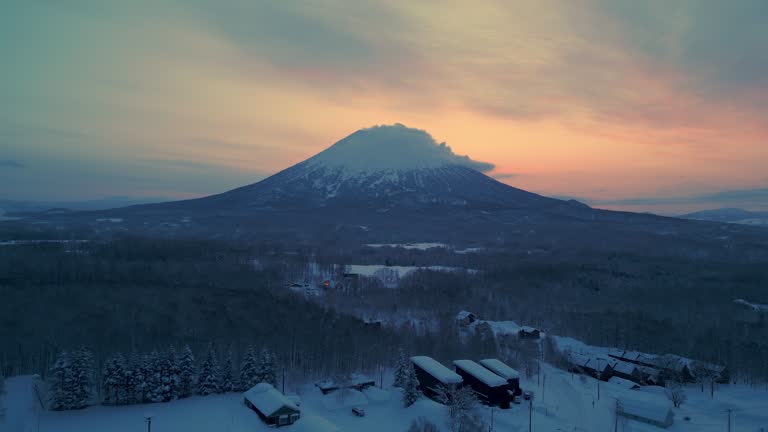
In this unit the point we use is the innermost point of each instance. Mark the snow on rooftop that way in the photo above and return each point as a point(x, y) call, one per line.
point(267, 399)
point(463, 314)
point(625, 383)
point(500, 368)
point(484, 375)
point(409, 246)
point(645, 406)
point(437, 370)
point(754, 306)
point(625, 367)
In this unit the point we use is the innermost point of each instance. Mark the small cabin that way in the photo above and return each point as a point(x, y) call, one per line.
point(273, 408)
point(526, 332)
point(465, 318)
point(596, 367)
point(501, 369)
point(491, 389)
point(653, 411)
point(432, 375)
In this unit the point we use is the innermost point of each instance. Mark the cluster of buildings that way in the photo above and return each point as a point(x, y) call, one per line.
point(494, 383)
point(645, 369)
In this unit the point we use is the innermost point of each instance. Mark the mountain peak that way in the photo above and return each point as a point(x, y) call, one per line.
point(392, 147)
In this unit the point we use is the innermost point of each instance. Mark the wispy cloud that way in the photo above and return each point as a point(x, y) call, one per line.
point(9, 163)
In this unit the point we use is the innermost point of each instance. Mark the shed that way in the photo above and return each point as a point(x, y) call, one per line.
point(648, 410)
point(432, 375)
point(273, 407)
point(503, 370)
point(355, 381)
point(491, 389)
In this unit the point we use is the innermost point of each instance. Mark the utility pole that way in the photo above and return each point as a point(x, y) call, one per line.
point(729, 420)
point(616, 421)
point(148, 418)
point(283, 379)
point(598, 379)
point(490, 427)
point(530, 415)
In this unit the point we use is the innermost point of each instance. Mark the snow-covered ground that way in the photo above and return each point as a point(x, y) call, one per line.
point(416, 246)
point(563, 402)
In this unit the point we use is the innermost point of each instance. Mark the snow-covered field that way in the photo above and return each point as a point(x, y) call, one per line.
point(563, 402)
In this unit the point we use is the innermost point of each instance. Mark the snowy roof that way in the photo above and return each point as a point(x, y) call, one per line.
point(625, 367)
point(652, 408)
point(437, 370)
point(576, 359)
point(484, 375)
point(463, 314)
point(754, 306)
point(314, 424)
point(528, 329)
point(623, 382)
point(267, 399)
point(500, 368)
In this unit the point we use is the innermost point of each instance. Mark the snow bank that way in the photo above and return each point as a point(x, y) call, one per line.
point(344, 398)
point(314, 424)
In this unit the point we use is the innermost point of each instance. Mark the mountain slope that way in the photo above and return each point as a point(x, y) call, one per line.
point(392, 184)
point(730, 215)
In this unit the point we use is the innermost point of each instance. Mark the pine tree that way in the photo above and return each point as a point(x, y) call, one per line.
point(142, 373)
point(130, 380)
point(174, 373)
point(208, 381)
point(248, 370)
point(266, 369)
point(58, 381)
point(114, 380)
point(82, 367)
point(187, 372)
point(155, 377)
point(411, 391)
point(401, 368)
point(227, 385)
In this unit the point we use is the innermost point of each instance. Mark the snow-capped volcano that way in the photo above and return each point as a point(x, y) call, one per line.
point(391, 148)
point(384, 166)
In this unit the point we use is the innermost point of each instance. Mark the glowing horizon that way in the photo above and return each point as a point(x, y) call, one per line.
point(641, 106)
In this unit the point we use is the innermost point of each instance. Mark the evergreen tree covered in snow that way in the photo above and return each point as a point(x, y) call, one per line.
point(401, 368)
point(130, 384)
point(174, 373)
point(142, 377)
point(155, 368)
point(227, 384)
point(114, 381)
point(460, 401)
point(411, 391)
point(265, 371)
point(187, 372)
point(248, 370)
point(208, 381)
point(71, 380)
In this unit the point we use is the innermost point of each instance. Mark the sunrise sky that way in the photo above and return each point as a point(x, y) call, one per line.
point(639, 105)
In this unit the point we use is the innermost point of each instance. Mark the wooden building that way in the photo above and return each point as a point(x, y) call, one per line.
point(273, 407)
point(491, 389)
point(501, 369)
point(597, 367)
point(432, 375)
